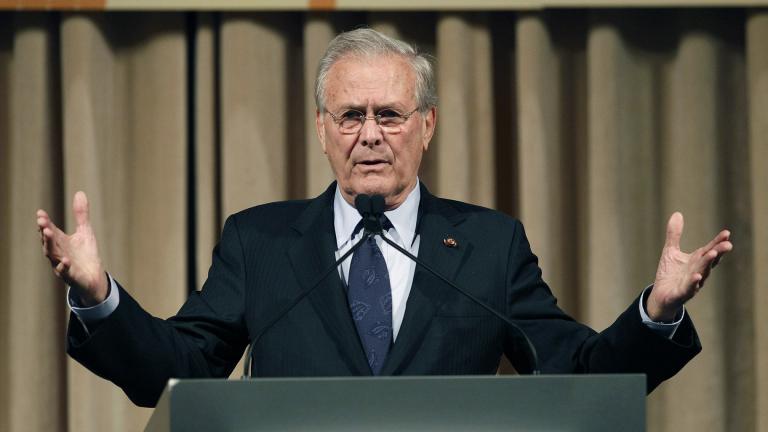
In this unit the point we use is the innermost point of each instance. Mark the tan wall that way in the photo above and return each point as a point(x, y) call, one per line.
point(591, 126)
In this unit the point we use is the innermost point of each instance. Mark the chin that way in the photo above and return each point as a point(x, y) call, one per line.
point(382, 187)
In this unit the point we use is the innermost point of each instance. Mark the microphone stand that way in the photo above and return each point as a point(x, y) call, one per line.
point(371, 209)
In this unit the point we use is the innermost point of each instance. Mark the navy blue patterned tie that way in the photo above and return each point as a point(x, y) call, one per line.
point(370, 300)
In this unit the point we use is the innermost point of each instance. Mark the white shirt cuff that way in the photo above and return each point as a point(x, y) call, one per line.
point(664, 329)
point(100, 311)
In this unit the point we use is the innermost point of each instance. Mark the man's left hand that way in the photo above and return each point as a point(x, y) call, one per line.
point(680, 275)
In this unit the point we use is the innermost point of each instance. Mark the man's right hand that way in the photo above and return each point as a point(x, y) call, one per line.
point(75, 258)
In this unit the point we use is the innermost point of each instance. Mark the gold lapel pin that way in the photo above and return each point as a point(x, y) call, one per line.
point(450, 242)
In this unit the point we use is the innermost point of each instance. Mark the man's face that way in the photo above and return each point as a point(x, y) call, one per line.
point(372, 160)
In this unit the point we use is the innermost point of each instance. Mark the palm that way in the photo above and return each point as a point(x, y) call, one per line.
point(75, 258)
point(84, 254)
point(681, 275)
point(672, 275)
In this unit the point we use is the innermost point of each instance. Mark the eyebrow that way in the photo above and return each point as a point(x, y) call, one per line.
point(376, 108)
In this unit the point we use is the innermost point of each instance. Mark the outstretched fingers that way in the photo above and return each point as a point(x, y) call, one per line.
point(42, 214)
point(49, 234)
point(723, 247)
point(709, 260)
point(712, 252)
point(43, 220)
point(42, 223)
point(722, 236)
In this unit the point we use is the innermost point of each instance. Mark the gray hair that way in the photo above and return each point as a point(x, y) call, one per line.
point(367, 42)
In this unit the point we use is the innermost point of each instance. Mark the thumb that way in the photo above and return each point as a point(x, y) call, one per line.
point(674, 230)
point(81, 209)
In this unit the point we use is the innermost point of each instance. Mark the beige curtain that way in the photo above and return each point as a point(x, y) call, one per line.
point(591, 126)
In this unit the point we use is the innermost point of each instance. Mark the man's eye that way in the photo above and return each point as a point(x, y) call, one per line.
point(389, 114)
point(351, 115)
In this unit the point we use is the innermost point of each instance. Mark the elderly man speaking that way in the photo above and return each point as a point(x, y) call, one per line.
point(377, 313)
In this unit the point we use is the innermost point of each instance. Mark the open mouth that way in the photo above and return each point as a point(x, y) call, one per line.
point(372, 162)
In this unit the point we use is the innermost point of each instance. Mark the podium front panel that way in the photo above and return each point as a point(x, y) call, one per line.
point(467, 403)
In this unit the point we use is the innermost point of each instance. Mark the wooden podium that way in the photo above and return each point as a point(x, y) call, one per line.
point(436, 403)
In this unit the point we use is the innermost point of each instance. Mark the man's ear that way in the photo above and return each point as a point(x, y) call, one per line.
point(430, 120)
point(320, 128)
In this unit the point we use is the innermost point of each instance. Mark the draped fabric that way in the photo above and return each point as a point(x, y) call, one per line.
point(591, 126)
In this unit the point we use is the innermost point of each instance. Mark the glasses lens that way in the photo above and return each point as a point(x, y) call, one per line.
point(390, 118)
point(349, 121)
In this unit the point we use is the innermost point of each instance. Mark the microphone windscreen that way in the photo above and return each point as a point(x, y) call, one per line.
point(377, 205)
point(363, 204)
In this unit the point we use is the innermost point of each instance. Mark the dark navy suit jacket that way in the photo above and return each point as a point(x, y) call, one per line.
point(269, 253)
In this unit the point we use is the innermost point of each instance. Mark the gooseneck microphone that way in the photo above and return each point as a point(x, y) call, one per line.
point(376, 212)
point(371, 208)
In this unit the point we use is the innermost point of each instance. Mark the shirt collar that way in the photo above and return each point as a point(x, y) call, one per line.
point(403, 218)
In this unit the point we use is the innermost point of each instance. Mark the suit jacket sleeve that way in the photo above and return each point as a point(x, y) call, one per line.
point(139, 352)
point(565, 346)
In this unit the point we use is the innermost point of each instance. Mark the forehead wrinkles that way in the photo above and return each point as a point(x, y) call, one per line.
point(364, 81)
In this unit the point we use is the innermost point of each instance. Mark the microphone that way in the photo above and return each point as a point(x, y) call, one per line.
point(365, 205)
point(289, 306)
point(371, 208)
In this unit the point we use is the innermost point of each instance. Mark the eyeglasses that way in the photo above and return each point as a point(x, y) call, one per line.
point(351, 121)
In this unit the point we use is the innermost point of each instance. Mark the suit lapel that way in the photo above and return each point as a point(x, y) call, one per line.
point(437, 221)
point(312, 254)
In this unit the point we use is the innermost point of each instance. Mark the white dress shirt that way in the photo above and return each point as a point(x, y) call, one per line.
point(403, 232)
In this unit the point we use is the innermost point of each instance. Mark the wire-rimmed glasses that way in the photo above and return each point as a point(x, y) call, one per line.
point(351, 121)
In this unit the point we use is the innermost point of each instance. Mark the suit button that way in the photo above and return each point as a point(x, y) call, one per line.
point(450, 242)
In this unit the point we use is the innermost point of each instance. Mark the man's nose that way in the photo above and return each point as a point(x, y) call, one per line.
point(370, 133)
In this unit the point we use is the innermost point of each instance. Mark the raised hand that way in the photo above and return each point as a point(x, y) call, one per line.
point(75, 258)
point(680, 275)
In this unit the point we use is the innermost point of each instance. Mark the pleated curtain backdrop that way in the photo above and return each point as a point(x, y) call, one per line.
point(591, 126)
